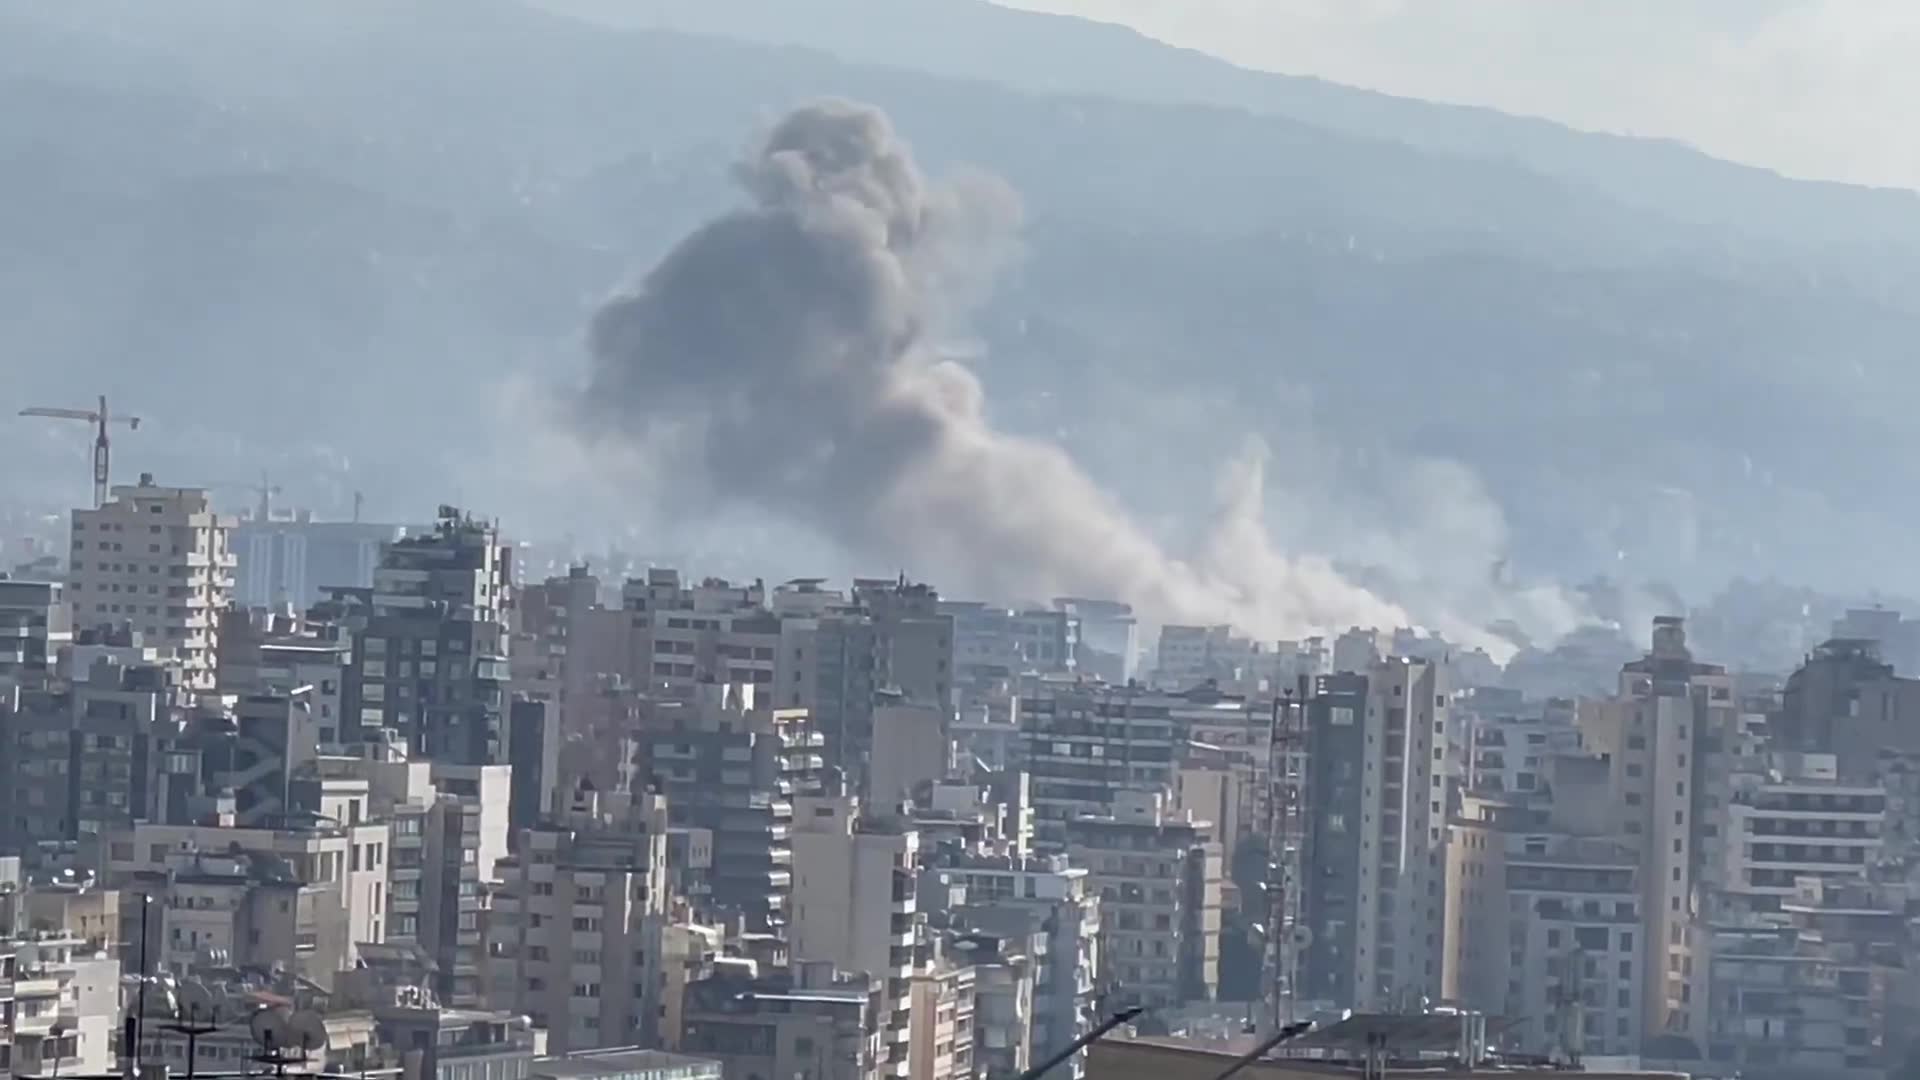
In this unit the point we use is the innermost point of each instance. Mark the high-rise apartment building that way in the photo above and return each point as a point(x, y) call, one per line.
point(1109, 638)
point(977, 890)
point(156, 559)
point(683, 634)
point(1189, 655)
point(268, 651)
point(854, 892)
point(1374, 842)
point(990, 641)
point(84, 757)
point(1846, 700)
point(732, 766)
point(1159, 879)
point(1087, 743)
point(1544, 926)
point(942, 1022)
point(34, 623)
point(283, 562)
point(1666, 734)
point(1794, 823)
point(577, 926)
point(430, 662)
point(893, 644)
point(447, 833)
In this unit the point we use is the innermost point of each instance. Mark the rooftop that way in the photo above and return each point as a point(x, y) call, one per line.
point(624, 1063)
point(1183, 1059)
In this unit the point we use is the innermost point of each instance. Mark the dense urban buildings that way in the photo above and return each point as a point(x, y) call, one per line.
point(686, 828)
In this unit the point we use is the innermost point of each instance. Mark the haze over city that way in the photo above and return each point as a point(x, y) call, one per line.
point(949, 540)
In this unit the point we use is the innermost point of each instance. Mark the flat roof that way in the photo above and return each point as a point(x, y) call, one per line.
point(1190, 1059)
point(622, 1062)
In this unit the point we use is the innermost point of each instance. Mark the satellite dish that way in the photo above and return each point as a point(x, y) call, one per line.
point(269, 1027)
point(1300, 936)
point(306, 1031)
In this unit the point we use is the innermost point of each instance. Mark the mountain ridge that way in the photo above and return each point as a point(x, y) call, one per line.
point(454, 186)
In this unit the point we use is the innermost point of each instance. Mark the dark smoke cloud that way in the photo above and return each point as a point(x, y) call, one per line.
point(785, 345)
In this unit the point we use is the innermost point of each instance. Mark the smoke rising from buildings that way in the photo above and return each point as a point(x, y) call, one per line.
point(784, 352)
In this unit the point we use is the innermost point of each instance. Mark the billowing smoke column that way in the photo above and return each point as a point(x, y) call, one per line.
point(784, 348)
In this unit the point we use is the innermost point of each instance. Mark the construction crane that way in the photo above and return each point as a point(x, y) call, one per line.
point(102, 420)
point(264, 492)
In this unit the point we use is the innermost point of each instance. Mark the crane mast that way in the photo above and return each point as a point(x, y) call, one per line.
point(101, 418)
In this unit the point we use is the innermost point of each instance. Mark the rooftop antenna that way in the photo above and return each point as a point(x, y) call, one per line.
point(280, 1044)
point(198, 1015)
point(101, 418)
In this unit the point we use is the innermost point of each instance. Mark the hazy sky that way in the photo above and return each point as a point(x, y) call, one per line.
point(1810, 87)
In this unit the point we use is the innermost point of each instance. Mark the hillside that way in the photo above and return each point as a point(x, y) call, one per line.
point(1050, 54)
point(367, 219)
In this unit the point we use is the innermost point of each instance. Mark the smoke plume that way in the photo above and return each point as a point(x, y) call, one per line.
point(784, 348)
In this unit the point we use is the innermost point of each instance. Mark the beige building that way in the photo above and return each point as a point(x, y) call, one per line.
point(853, 897)
point(66, 1004)
point(807, 1020)
point(244, 910)
point(910, 749)
point(331, 856)
point(446, 831)
point(156, 559)
point(1543, 927)
point(942, 1030)
point(578, 927)
point(1796, 823)
point(1656, 733)
point(1159, 880)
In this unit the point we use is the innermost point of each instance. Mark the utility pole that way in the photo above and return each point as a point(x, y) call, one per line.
point(102, 419)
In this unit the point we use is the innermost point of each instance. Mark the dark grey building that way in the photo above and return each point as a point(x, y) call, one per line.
point(533, 748)
point(732, 768)
point(430, 652)
point(33, 621)
point(894, 641)
point(1336, 706)
point(81, 759)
